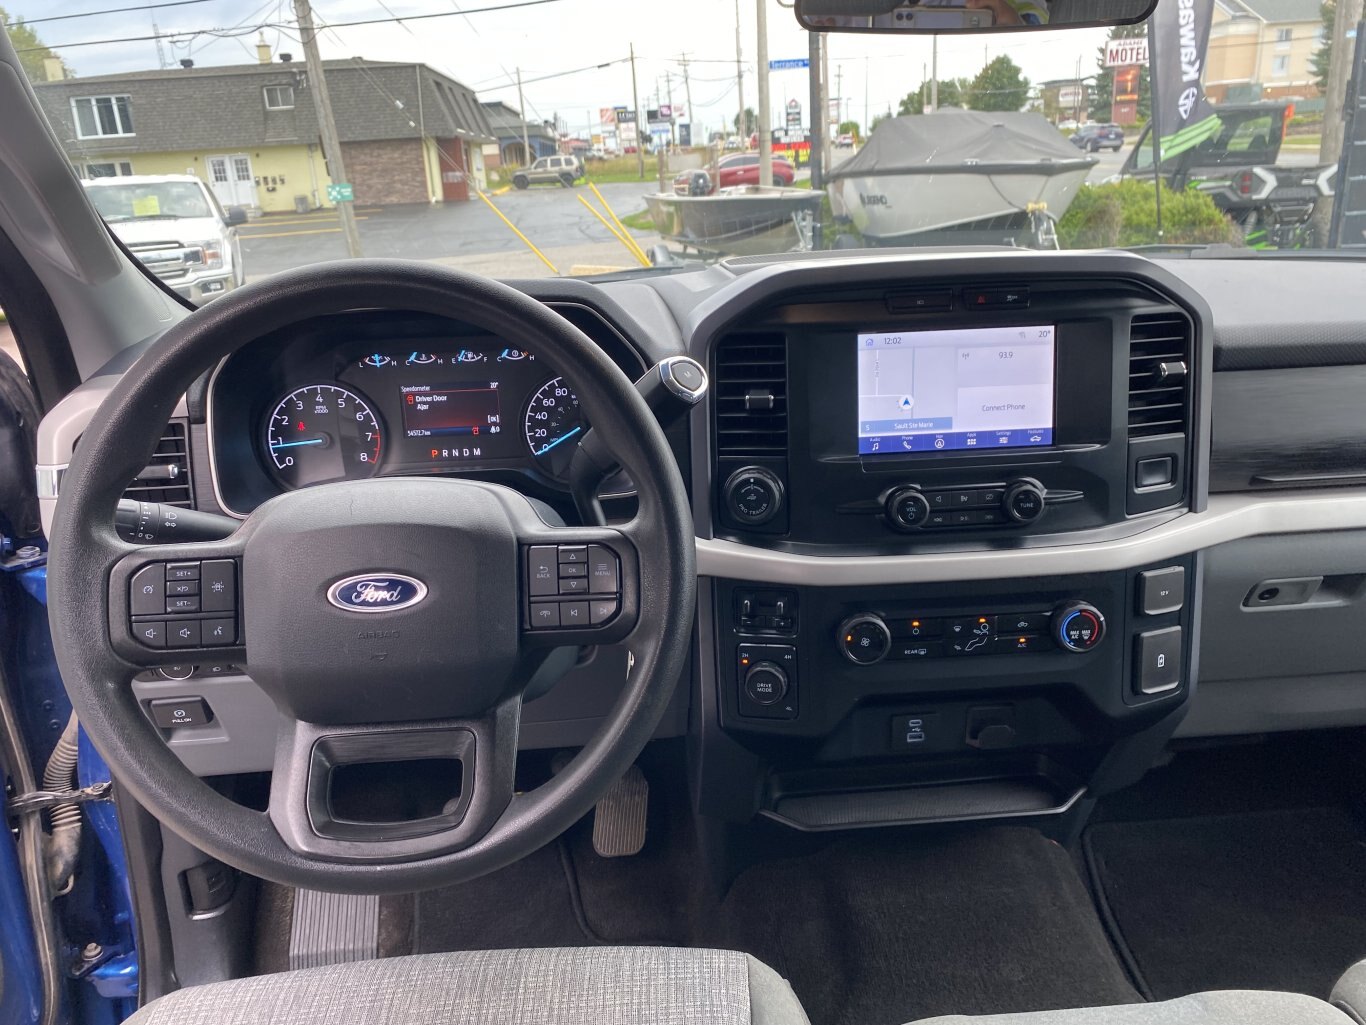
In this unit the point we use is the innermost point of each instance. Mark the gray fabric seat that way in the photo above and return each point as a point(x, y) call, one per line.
point(598, 985)
point(1224, 1007)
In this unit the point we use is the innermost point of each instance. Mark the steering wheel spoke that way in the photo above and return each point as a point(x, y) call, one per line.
point(582, 585)
point(393, 791)
point(177, 603)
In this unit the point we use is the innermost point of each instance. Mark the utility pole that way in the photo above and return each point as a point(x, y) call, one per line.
point(669, 89)
point(826, 128)
point(521, 111)
point(934, 74)
point(1347, 18)
point(741, 123)
point(817, 118)
point(765, 113)
point(867, 125)
point(327, 124)
point(635, 101)
point(839, 96)
point(687, 91)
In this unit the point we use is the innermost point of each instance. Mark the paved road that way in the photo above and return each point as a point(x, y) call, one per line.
point(552, 218)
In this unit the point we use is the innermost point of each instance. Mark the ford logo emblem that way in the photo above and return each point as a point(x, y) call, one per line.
point(376, 592)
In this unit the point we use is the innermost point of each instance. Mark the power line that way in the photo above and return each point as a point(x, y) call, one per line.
point(111, 10)
point(444, 14)
point(557, 74)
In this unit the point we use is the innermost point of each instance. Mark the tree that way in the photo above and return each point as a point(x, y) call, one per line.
point(849, 128)
point(32, 50)
point(1102, 96)
point(751, 119)
point(952, 93)
point(998, 86)
point(877, 120)
point(1322, 59)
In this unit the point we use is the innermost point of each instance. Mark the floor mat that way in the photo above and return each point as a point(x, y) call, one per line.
point(1266, 900)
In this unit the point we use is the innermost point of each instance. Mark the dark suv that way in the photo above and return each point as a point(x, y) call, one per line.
point(1094, 138)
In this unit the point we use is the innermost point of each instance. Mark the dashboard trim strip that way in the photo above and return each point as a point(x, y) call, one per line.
point(1228, 518)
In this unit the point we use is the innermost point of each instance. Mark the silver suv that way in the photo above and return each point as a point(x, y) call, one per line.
point(561, 170)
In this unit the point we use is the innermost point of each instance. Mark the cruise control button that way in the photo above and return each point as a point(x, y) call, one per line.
point(182, 571)
point(219, 632)
point(600, 610)
point(180, 588)
point(542, 571)
point(602, 570)
point(153, 635)
point(218, 586)
point(545, 616)
point(184, 634)
point(186, 604)
point(574, 613)
point(148, 596)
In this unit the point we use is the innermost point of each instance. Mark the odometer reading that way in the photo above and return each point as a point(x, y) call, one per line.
point(322, 433)
point(554, 426)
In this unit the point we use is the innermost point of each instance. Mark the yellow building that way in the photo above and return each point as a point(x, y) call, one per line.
point(1262, 49)
point(409, 134)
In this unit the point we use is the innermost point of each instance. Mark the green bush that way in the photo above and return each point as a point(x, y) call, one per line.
point(1125, 214)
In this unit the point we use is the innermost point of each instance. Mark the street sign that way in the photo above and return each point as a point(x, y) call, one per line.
point(1122, 52)
point(794, 64)
point(341, 192)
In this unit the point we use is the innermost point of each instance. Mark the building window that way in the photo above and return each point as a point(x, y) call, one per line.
point(1283, 35)
point(100, 116)
point(279, 97)
point(109, 169)
point(1280, 67)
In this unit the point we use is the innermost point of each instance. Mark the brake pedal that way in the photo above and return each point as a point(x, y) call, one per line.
point(333, 928)
point(619, 819)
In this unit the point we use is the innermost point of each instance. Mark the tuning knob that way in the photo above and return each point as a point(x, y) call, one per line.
point(906, 508)
point(1023, 501)
point(865, 639)
point(1078, 626)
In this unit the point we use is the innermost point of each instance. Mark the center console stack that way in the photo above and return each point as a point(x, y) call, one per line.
point(942, 417)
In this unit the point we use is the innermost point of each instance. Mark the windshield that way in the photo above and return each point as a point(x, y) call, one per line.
point(520, 138)
point(118, 203)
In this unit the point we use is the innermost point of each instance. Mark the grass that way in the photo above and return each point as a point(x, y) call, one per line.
point(1303, 141)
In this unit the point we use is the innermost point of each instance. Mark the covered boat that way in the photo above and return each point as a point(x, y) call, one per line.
point(959, 177)
point(744, 220)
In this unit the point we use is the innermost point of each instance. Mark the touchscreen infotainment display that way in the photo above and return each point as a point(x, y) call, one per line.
point(972, 388)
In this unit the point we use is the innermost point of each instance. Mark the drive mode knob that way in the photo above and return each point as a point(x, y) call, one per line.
point(753, 495)
point(865, 639)
point(906, 508)
point(1078, 626)
point(1023, 501)
point(765, 683)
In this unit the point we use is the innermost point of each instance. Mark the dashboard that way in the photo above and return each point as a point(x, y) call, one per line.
point(978, 534)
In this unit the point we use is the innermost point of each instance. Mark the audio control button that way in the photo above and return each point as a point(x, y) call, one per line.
point(1024, 501)
point(906, 509)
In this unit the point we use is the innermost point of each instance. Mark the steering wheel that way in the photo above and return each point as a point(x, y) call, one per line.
point(390, 619)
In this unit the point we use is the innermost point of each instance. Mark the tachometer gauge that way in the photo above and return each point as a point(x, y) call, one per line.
point(322, 433)
point(554, 426)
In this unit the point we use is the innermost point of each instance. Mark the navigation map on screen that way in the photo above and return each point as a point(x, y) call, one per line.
point(924, 391)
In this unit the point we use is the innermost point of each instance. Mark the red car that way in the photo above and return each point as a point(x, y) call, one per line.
point(743, 169)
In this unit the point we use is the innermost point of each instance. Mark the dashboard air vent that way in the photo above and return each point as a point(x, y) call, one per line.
point(1159, 374)
point(166, 479)
point(751, 396)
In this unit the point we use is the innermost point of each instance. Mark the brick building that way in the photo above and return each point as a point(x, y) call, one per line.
point(409, 134)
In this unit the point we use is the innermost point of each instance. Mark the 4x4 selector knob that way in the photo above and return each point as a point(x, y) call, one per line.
point(1078, 626)
point(752, 496)
point(906, 508)
point(765, 683)
point(865, 639)
point(1023, 501)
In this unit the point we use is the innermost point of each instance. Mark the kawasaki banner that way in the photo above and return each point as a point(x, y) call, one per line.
point(1179, 34)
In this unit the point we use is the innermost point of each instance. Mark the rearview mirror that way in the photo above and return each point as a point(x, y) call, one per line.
point(933, 16)
point(236, 216)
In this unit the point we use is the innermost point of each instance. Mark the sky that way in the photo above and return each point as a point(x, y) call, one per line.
point(483, 50)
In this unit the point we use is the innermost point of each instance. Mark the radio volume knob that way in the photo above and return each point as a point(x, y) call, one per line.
point(1023, 501)
point(865, 639)
point(752, 496)
point(1078, 626)
point(906, 508)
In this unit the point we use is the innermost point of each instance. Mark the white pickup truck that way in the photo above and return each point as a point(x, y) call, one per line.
point(174, 224)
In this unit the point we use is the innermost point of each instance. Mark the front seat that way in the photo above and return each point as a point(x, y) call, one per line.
point(561, 986)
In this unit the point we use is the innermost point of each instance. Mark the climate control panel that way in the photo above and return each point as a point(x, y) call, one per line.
point(868, 638)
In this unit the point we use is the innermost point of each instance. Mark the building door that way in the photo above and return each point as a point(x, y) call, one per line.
point(231, 179)
point(455, 186)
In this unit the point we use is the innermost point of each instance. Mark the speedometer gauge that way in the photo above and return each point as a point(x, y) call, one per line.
point(554, 426)
point(322, 433)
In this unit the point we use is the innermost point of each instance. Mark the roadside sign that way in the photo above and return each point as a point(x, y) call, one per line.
point(1123, 52)
point(794, 64)
point(341, 192)
point(794, 114)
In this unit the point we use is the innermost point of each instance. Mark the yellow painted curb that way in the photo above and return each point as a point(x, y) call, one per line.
point(501, 190)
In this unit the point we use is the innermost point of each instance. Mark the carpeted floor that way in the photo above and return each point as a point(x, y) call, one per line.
point(1257, 900)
